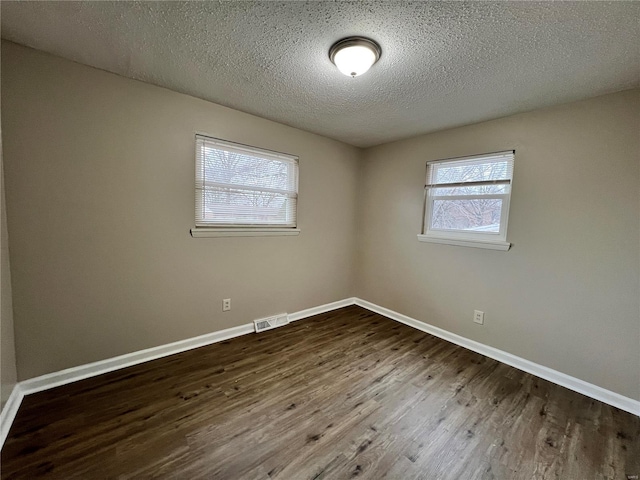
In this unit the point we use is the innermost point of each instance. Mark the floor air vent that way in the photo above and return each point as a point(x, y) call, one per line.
point(271, 322)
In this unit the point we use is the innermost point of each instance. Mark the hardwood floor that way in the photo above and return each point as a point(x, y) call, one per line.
point(347, 394)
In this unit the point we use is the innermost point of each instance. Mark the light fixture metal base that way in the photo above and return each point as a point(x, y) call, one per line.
point(354, 41)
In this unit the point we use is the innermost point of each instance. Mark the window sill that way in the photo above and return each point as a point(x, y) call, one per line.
point(202, 232)
point(495, 245)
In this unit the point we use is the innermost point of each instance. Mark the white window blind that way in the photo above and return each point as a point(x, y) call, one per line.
point(241, 186)
point(468, 198)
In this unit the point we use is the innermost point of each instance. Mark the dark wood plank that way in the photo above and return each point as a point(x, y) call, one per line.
point(341, 395)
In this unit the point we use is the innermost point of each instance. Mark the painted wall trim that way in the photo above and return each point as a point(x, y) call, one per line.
point(590, 390)
point(9, 412)
point(310, 312)
point(495, 245)
point(203, 232)
point(81, 372)
point(74, 374)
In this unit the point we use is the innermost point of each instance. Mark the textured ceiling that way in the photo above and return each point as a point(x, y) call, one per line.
point(443, 64)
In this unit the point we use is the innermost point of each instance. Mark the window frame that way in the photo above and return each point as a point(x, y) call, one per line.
point(204, 229)
point(491, 240)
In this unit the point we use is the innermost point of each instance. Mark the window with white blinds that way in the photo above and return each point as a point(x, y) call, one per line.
point(468, 198)
point(241, 186)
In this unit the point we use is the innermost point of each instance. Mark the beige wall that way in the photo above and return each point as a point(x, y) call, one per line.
point(100, 199)
point(7, 349)
point(566, 294)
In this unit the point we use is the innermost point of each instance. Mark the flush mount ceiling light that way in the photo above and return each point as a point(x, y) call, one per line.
point(354, 55)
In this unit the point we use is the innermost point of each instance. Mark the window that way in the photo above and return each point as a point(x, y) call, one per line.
point(243, 190)
point(467, 201)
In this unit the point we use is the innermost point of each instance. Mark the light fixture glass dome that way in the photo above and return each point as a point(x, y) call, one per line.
point(354, 55)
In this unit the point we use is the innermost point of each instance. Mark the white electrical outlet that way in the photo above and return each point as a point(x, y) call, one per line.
point(226, 304)
point(478, 317)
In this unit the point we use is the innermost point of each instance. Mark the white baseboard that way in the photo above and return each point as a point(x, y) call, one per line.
point(69, 375)
point(74, 374)
point(590, 390)
point(327, 307)
point(81, 372)
point(9, 411)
